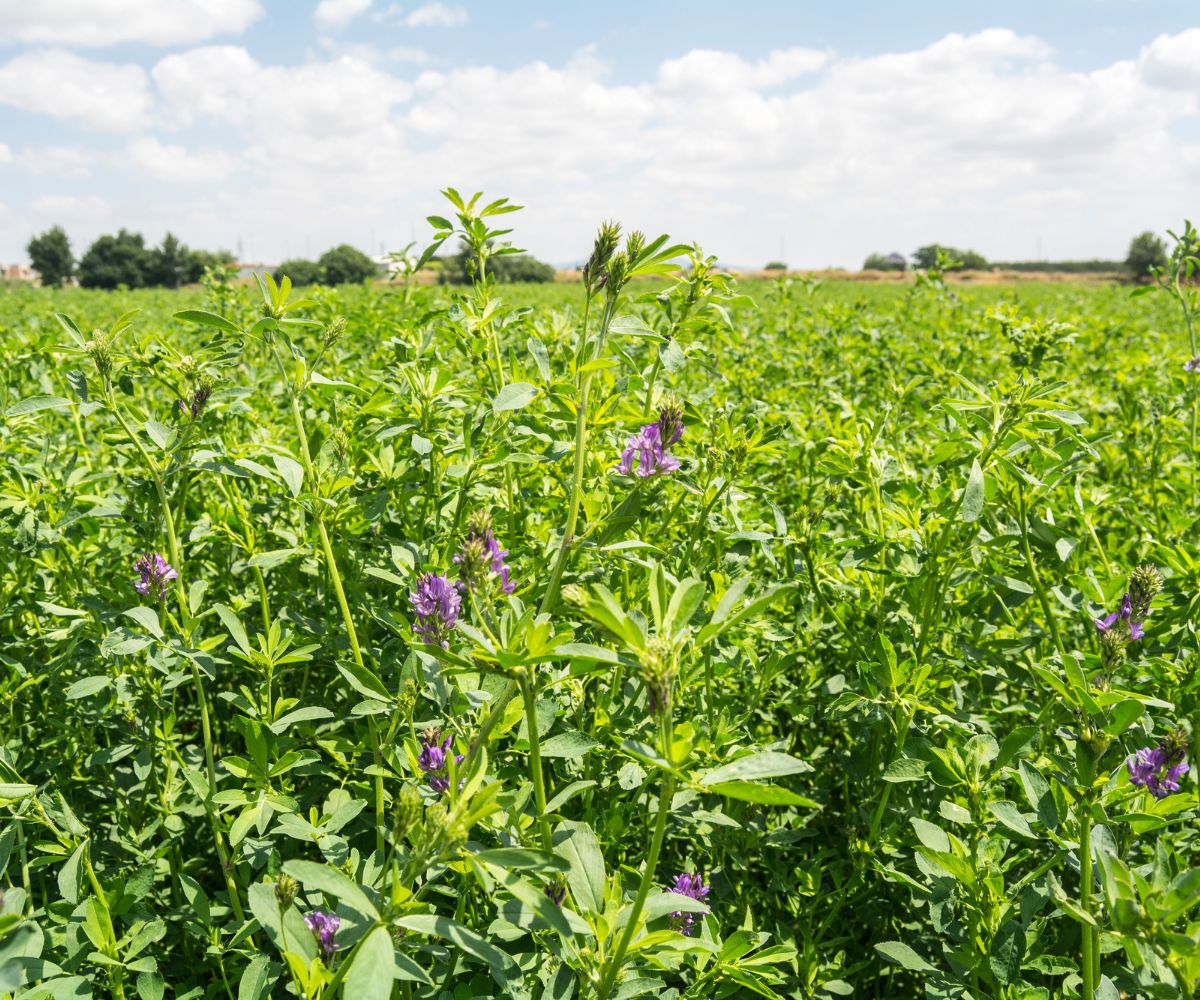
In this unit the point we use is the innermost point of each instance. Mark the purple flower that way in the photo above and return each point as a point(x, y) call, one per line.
point(481, 556)
point(154, 574)
point(324, 926)
point(1144, 584)
point(651, 455)
point(199, 398)
point(694, 887)
point(432, 758)
point(1157, 770)
point(436, 603)
point(556, 890)
point(1192, 365)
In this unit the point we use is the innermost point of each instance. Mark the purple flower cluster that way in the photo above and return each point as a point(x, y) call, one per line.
point(1192, 365)
point(199, 398)
point(650, 447)
point(1144, 583)
point(154, 575)
point(436, 602)
point(432, 758)
point(481, 556)
point(1157, 770)
point(1123, 613)
point(324, 926)
point(694, 887)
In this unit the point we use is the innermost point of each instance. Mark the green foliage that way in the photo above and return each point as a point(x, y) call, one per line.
point(886, 262)
point(927, 257)
point(113, 261)
point(50, 254)
point(460, 269)
point(1147, 251)
point(842, 663)
point(343, 265)
point(301, 272)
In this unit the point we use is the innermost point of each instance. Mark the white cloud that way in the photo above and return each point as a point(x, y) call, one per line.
point(437, 15)
point(104, 96)
point(1173, 61)
point(339, 13)
point(61, 161)
point(178, 165)
point(5, 153)
point(69, 208)
point(110, 22)
point(321, 102)
point(985, 140)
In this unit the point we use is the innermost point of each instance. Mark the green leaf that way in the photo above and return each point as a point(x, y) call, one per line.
point(233, 625)
point(255, 981)
point(371, 973)
point(568, 745)
point(291, 471)
point(1007, 952)
point(972, 498)
point(503, 968)
point(204, 318)
point(68, 874)
point(767, 795)
point(514, 396)
point(578, 845)
point(902, 955)
point(523, 858)
point(332, 882)
point(755, 767)
point(31, 404)
point(87, 686)
point(147, 618)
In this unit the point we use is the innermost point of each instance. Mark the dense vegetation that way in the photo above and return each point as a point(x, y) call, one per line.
point(649, 636)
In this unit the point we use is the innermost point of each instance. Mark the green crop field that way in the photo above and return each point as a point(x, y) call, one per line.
point(650, 635)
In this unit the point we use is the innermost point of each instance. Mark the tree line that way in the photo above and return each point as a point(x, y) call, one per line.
point(120, 259)
point(1146, 251)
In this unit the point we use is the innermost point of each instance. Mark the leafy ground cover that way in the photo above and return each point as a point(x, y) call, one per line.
point(652, 637)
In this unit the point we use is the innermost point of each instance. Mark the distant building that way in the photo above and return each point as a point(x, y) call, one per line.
point(248, 271)
point(19, 272)
point(897, 261)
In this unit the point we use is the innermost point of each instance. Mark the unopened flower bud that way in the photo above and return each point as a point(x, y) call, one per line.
point(285, 890)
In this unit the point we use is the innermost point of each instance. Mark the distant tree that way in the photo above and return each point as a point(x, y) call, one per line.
point(115, 260)
point(927, 257)
point(172, 264)
point(775, 265)
point(1146, 251)
point(301, 271)
point(459, 269)
point(50, 254)
point(203, 260)
point(343, 265)
point(885, 262)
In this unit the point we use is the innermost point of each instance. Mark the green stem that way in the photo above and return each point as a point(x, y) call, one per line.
point(1035, 579)
point(335, 577)
point(613, 967)
point(1088, 935)
point(535, 759)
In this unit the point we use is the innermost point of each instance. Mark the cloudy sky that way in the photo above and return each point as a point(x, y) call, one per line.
point(813, 131)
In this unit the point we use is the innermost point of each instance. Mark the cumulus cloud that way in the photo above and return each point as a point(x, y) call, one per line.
point(176, 164)
point(436, 15)
point(1173, 61)
point(104, 96)
point(5, 153)
point(978, 138)
point(60, 161)
point(339, 13)
point(320, 101)
point(110, 22)
point(69, 207)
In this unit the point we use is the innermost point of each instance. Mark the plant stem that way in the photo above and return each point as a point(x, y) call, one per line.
point(335, 577)
point(613, 966)
point(1089, 937)
point(535, 758)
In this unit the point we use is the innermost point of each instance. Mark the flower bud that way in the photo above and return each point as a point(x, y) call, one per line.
point(285, 890)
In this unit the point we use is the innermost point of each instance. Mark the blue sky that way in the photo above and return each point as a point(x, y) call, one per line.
point(820, 132)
